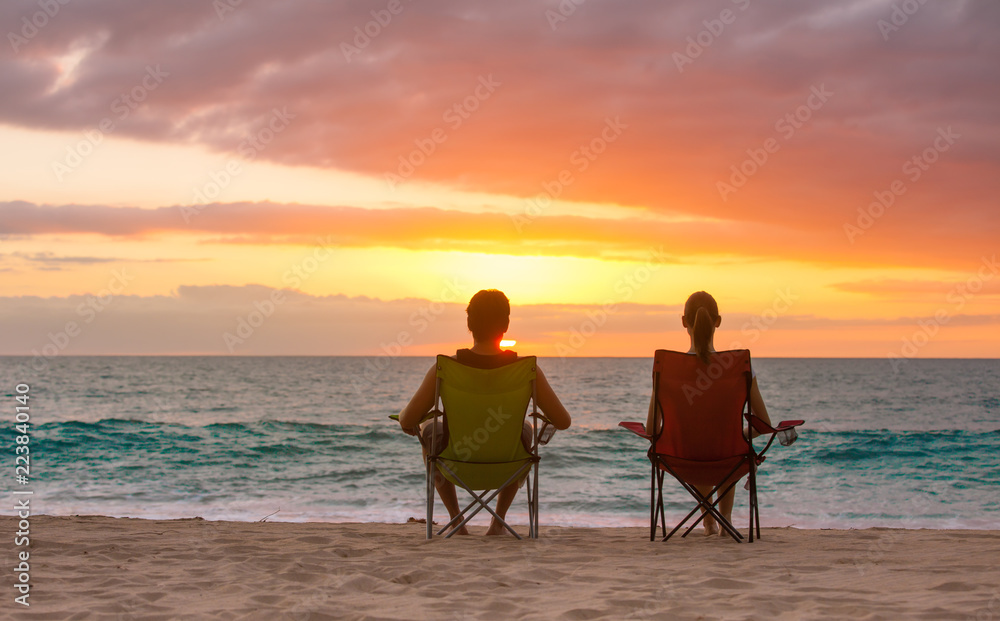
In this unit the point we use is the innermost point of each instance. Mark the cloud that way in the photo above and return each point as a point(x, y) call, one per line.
point(559, 82)
point(49, 261)
point(430, 227)
point(925, 289)
point(197, 319)
point(260, 320)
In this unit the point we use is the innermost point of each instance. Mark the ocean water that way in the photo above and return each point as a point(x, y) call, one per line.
point(307, 438)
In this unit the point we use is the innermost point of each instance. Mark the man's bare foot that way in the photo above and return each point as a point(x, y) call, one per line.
point(496, 529)
point(463, 531)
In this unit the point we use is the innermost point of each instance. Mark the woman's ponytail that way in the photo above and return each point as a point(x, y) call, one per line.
point(703, 329)
point(701, 312)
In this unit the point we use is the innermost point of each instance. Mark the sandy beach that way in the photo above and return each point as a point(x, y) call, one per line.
point(86, 567)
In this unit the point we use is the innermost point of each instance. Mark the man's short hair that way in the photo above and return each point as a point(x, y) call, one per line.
point(489, 314)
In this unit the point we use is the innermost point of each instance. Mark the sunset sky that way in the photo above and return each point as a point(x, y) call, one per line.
point(305, 177)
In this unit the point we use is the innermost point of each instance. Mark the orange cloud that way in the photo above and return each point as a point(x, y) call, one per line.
point(519, 234)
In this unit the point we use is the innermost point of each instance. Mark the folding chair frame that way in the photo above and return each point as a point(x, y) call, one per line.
point(752, 459)
point(660, 467)
point(481, 501)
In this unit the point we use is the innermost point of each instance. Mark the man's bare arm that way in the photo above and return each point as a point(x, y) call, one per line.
point(420, 403)
point(550, 404)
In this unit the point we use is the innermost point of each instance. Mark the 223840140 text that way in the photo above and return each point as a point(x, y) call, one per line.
point(22, 497)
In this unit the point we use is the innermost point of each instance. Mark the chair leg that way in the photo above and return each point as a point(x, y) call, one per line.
point(532, 508)
point(531, 513)
point(479, 503)
point(701, 502)
point(652, 505)
point(756, 504)
point(494, 514)
point(465, 515)
point(755, 516)
point(709, 509)
point(663, 515)
point(535, 503)
point(430, 499)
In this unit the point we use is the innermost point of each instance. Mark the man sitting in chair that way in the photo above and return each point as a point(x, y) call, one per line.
point(488, 320)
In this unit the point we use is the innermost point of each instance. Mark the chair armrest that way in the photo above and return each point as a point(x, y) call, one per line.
point(546, 431)
point(427, 416)
point(638, 429)
point(784, 432)
point(762, 427)
point(788, 424)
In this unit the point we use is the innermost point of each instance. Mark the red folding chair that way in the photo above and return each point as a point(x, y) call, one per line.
point(698, 435)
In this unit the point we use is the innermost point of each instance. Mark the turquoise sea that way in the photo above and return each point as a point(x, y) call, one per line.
point(307, 438)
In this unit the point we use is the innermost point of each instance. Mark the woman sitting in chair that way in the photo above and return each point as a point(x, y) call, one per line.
point(701, 318)
point(488, 320)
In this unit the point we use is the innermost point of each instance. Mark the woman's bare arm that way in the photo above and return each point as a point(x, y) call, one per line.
point(550, 404)
point(420, 403)
point(757, 405)
point(650, 416)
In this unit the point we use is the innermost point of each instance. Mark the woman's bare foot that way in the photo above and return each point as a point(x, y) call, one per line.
point(711, 527)
point(722, 531)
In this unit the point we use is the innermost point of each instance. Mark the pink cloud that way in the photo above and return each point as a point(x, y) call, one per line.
point(260, 320)
point(557, 86)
